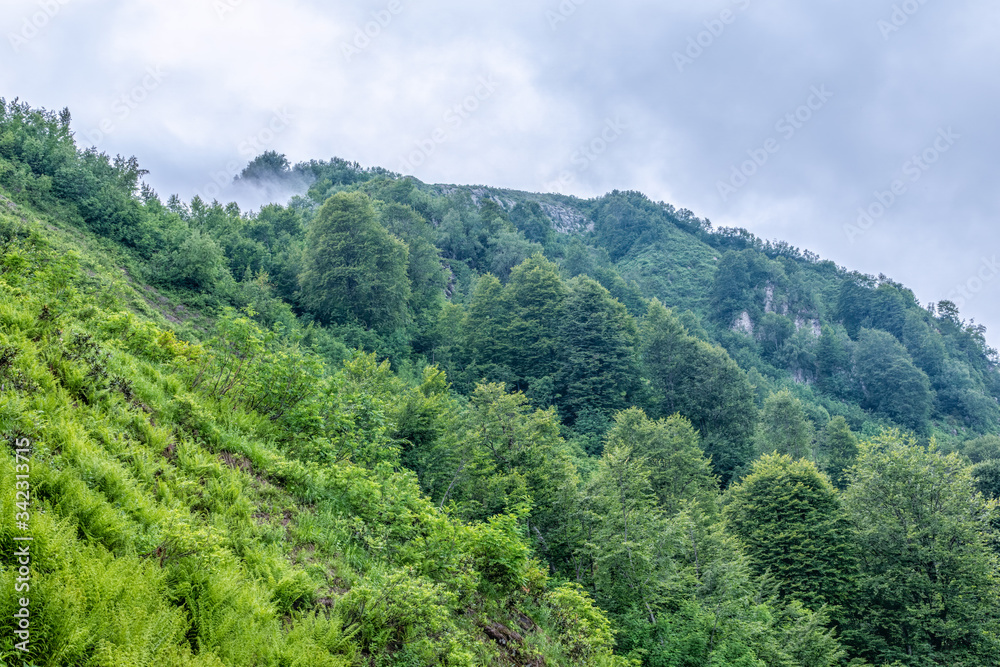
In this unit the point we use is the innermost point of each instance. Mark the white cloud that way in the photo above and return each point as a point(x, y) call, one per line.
point(555, 88)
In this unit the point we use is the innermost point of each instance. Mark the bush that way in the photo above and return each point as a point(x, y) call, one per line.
point(584, 630)
point(500, 555)
point(198, 263)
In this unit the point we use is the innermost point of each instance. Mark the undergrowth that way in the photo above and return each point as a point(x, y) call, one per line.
point(236, 501)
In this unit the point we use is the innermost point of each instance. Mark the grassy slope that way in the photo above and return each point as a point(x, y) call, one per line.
point(171, 529)
point(678, 270)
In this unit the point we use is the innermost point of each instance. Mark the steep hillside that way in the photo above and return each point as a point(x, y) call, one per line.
point(399, 424)
point(790, 319)
point(181, 515)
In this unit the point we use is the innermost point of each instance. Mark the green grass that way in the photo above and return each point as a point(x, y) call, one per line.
point(174, 527)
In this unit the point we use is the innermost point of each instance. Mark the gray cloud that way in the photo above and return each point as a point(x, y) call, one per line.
point(561, 71)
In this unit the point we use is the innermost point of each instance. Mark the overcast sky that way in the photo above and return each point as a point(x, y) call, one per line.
point(786, 118)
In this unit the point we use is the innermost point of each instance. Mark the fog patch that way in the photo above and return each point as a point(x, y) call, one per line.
point(268, 179)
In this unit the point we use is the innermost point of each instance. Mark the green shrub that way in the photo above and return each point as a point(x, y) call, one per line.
point(584, 630)
point(500, 555)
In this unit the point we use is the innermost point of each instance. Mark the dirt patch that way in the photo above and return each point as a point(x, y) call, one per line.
point(237, 462)
point(503, 635)
point(525, 622)
point(171, 451)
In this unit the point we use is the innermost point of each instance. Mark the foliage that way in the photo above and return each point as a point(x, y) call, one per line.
point(679, 473)
point(600, 372)
point(354, 270)
point(702, 383)
point(784, 428)
point(928, 588)
point(366, 427)
point(893, 386)
point(841, 447)
point(790, 518)
point(588, 634)
point(179, 514)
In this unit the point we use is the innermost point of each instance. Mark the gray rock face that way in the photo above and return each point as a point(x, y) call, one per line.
point(565, 220)
point(744, 324)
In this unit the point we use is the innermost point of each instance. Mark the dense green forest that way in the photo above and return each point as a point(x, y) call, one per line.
point(395, 424)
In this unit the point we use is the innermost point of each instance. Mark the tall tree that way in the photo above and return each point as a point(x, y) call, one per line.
point(680, 588)
point(629, 543)
point(891, 385)
point(269, 165)
point(841, 449)
point(427, 275)
point(833, 362)
point(511, 458)
point(600, 373)
point(535, 296)
point(530, 219)
point(929, 586)
point(784, 427)
point(354, 269)
point(924, 345)
point(701, 382)
point(791, 520)
point(855, 303)
point(506, 249)
point(485, 335)
point(679, 473)
point(624, 219)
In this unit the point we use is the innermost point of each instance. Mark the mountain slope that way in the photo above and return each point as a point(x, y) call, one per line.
point(179, 518)
point(393, 423)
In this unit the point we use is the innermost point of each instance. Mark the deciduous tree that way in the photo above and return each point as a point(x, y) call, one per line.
point(784, 427)
point(791, 520)
point(929, 587)
point(354, 270)
point(701, 382)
